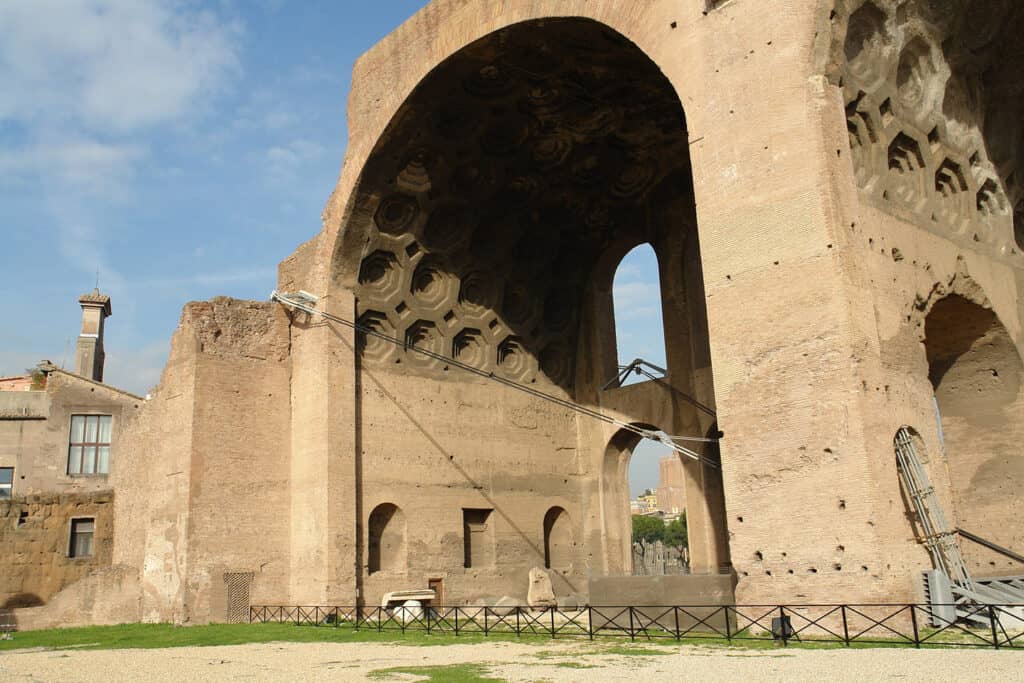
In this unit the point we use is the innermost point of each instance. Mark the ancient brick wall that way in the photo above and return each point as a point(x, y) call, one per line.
point(810, 204)
point(206, 493)
point(35, 533)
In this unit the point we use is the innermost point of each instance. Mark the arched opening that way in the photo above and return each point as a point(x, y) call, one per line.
point(636, 296)
point(976, 373)
point(500, 188)
point(386, 542)
point(558, 540)
point(487, 225)
point(706, 533)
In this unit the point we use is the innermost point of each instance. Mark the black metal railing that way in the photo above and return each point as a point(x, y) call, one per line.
point(913, 625)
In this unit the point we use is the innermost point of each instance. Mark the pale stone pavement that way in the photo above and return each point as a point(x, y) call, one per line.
point(509, 661)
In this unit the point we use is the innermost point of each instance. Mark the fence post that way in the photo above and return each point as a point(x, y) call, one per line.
point(728, 630)
point(552, 622)
point(426, 612)
point(675, 613)
point(913, 620)
point(485, 621)
point(380, 624)
point(782, 626)
point(632, 636)
point(456, 621)
point(992, 623)
point(590, 622)
point(846, 628)
point(517, 621)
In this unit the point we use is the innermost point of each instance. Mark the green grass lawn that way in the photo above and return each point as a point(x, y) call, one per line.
point(449, 673)
point(166, 635)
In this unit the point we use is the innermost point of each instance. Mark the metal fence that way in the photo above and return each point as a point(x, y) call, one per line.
point(915, 625)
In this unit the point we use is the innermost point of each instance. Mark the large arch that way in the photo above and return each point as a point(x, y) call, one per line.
point(508, 173)
point(490, 217)
point(978, 379)
point(705, 513)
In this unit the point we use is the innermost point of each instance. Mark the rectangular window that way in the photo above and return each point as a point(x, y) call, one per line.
point(89, 445)
point(6, 482)
point(478, 538)
point(81, 537)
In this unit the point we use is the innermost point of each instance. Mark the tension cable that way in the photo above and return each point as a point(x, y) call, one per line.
point(306, 302)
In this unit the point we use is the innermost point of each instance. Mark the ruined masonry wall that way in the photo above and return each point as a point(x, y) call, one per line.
point(35, 534)
point(435, 447)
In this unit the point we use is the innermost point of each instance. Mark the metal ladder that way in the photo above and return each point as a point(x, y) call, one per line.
point(955, 583)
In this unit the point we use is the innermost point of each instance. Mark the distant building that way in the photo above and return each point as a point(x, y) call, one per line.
point(59, 438)
point(671, 486)
point(16, 383)
point(644, 504)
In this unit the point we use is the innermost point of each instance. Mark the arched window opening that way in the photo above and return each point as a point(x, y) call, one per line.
point(386, 543)
point(657, 506)
point(558, 539)
point(976, 374)
point(636, 295)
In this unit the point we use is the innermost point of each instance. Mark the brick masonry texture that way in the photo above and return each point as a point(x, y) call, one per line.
point(832, 191)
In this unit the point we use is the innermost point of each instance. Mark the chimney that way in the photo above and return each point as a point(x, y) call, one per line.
point(95, 310)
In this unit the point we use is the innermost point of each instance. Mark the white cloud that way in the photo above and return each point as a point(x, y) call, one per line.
point(83, 165)
point(109, 65)
point(634, 296)
point(284, 161)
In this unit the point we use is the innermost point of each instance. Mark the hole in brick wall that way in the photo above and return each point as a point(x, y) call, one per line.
point(842, 504)
point(812, 570)
point(863, 567)
point(838, 567)
point(740, 519)
point(758, 555)
point(789, 571)
point(768, 572)
point(840, 548)
point(22, 518)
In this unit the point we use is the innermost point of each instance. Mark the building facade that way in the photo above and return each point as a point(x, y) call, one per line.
point(60, 455)
point(831, 188)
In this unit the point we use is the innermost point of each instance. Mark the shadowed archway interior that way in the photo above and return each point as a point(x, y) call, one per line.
point(507, 174)
point(977, 376)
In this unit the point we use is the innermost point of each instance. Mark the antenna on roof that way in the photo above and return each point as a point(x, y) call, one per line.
point(97, 278)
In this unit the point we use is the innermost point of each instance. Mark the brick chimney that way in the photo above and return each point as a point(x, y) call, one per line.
point(95, 310)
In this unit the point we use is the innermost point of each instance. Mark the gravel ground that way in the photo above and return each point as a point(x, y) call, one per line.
point(509, 661)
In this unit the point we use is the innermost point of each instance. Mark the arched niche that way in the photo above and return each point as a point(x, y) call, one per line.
point(559, 543)
point(386, 544)
point(976, 373)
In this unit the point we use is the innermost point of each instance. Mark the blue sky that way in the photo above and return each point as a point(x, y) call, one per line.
point(182, 149)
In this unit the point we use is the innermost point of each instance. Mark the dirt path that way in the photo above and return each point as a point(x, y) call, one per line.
point(508, 661)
